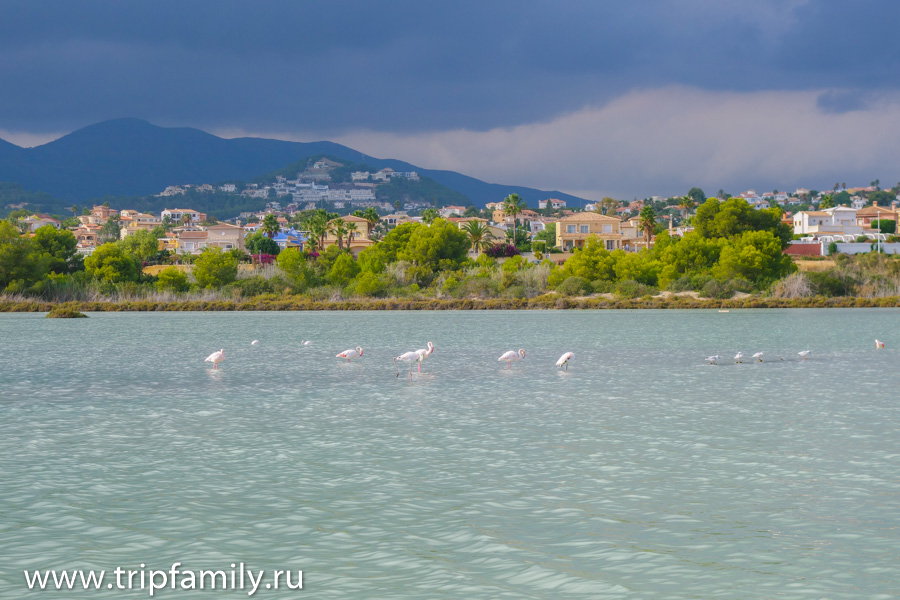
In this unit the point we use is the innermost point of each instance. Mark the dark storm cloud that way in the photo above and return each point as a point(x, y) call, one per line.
point(331, 66)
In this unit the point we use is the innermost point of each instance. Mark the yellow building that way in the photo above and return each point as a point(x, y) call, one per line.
point(359, 239)
point(573, 230)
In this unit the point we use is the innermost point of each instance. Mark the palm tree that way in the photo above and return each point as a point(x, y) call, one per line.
point(647, 222)
point(74, 209)
point(185, 219)
point(339, 228)
point(478, 233)
point(270, 225)
point(429, 215)
point(371, 215)
point(513, 206)
point(351, 229)
point(686, 204)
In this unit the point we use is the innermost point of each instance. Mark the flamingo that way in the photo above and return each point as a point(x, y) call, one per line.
point(416, 356)
point(879, 344)
point(351, 353)
point(215, 358)
point(564, 360)
point(712, 359)
point(511, 356)
point(306, 342)
point(758, 356)
point(739, 357)
point(804, 354)
point(254, 343)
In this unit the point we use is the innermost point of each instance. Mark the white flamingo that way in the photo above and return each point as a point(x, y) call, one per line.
point(351, 353)
point(712, 359)
point(511, 356)
point(416, 356)
point(879, 344)
point(739, 357)
point(254, 343)
point(758, 356)
point(803, 354)
point(215, 358)
point(564, 360)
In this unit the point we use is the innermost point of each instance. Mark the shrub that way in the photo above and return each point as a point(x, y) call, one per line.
point(368, 284)
point(603, 286)
point(717, 289)
point(832, 248)
point(501, 250)
point(632, 289)
point(861, 239)
point(575, 286)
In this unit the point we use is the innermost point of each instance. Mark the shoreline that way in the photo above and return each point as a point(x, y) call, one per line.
point(539, 303)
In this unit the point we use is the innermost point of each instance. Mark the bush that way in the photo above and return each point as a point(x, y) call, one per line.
point(368, 284)
point(603, 286)
point(717, 289)
point(682, 284)
point(501, 250)
point(632, 289)
point(832, 248)
point(575, 286)
point(172, 279)
point(861, 239)
point(825, 284)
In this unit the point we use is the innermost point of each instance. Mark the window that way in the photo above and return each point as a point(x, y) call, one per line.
point(585, 228)
point(610, 244)
point(570, 229)
point(607, 228)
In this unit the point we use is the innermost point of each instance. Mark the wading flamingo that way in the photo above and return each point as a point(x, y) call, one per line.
point(803, 354)
point(758, 356)
point(416, 356)
point(712, 359)
point(564, 360)
point(254, 343)
point(879, 344)
point(739, 357)
point(215, 358)
point(511, 356)
point(351, 353)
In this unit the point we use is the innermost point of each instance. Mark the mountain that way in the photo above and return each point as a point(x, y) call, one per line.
point(131, 157)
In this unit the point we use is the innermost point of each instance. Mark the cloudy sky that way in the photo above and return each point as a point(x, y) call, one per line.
point(593, 97)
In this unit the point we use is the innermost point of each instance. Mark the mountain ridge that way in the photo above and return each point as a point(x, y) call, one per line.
point(133, 157)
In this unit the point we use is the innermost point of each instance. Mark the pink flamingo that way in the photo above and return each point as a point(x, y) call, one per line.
point(564, 360)
point(417, 356)
point(215, 358)
point(511, 356)
point(351, 353)
point(879, 344)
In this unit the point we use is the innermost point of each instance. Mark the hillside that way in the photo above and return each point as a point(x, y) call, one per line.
point(131, 157)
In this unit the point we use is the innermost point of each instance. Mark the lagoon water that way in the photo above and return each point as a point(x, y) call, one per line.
point(641, 472)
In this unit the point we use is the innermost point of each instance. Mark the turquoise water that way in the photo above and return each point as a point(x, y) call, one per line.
point(640, 472)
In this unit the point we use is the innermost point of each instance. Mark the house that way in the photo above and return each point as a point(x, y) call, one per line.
point(86, 237)
point(573, 230)
point(177, 215)
point(449, 211)
point(101, 214)
point(359, 239)
point(857, 202)
point(35, 222)
point(494, 206)
point(290, 238)
point(224, 236)
point(839, 220)
point(393, 220)
point(865, 216)
point(190, 242)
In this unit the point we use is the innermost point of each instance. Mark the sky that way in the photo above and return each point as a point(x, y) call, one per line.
point(596, 98)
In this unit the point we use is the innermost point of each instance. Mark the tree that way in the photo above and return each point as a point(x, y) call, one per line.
point(257, 243)
point(647, 222)
point(296, 269)
point(270, 226)
point(351, 229)
point(479, 234)
point(756, 256)
point(827, 201)
point(215, 268)
point(58, 246)
point(110, 231)
point(371, 215)
point(513, 206)
point(697, 195)
point(21, 261)
point(593, 261)
point(111, 263)
point(717, 219)
point(141, 244)
point(442, 246)
point(172, 279)
point(338, 227)
point(686, 204)
point(607, 206)
point(429, 215)
point(343, 270)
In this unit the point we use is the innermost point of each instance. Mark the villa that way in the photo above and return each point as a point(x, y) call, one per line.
point(573, 230)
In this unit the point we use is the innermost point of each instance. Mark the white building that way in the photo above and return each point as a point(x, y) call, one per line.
point(839, 220)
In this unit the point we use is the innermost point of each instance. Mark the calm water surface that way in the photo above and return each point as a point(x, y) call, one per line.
point(641, 472)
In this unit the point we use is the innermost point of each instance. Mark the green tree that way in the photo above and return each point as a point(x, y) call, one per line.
point(443, 246)
point(215, 268)
point(547, 235)
point(647, 222)
point(513, 206)
point(717, 219)
point(343, 270)
point(429, 215)
point(172, 279)
point(270, 226)
point(58, 245)
point(687, 204)
point(697, 195)
point(111, 263)
point(754, 255)
point(257, 243)
point(338, 227)
point(826, 202)
point(479, 234)
point(141, 244)
point(607, 206)
point(110, 231)
point(22, 263)
point(293, 263)
point(593, 261)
